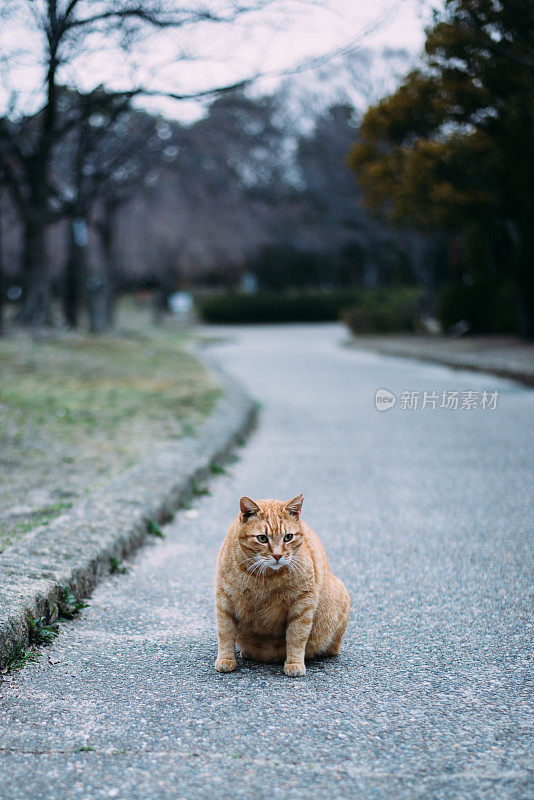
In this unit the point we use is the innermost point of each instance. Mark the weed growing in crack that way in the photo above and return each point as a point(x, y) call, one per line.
point(154, 529)
point(116, 567)
point(217, 469)
point(19, 655)
point(42, 632)
point(199, 489)
point(68, 604)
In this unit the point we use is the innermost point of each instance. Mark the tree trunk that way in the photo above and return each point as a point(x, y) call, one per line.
point(75, 270)
point(2, 281)
point(96, 303)
point(36, 298)
point(102, 285)
point(107, 231)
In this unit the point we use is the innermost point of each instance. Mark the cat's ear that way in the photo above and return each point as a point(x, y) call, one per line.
point(294, 506)
point(248, 507)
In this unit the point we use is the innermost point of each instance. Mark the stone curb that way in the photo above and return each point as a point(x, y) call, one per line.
point(76, 549)
point(459, 361)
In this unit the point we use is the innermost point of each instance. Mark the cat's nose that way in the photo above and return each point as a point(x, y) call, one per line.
point(277, 557)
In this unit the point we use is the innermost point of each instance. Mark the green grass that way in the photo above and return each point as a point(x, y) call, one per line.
point(42, 516)
point(76, 411)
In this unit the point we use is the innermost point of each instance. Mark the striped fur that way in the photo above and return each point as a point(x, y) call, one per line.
point(276, 599)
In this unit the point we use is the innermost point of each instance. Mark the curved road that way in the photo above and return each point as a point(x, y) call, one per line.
point(426, 514)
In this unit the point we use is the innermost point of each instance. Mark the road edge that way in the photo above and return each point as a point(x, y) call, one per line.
point(457, 363)
point(76, 550)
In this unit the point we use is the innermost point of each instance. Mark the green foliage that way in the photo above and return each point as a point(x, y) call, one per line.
point(69, 606)
point(280, 267)
point(453, 149)
point(42, 632)
point(432, 183)
point(487, 305)
point(18, 657)
point(116, 567)
point(312, 306)
point(384, 311)
point(199, 489)
point(154, 529)
point(217, 469)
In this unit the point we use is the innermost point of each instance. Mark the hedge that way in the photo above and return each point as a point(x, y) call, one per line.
point(385, 311)
point(488, 306)
point(271, 307)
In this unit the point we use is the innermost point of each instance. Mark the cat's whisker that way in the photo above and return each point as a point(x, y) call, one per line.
point(298, 567)
point(298, 559)
point(254, 567)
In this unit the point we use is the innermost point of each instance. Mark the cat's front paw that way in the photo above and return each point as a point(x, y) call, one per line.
point(225, 664)
point(295, 669)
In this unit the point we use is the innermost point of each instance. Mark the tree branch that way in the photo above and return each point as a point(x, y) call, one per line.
point(175, 20)
point(231, 87)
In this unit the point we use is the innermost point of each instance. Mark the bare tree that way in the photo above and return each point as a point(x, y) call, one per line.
point(117, 151)
point(104, 156)
point(27, 143)
point(34, 136)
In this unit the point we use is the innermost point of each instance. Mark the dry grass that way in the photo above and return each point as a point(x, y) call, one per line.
point(76, 410)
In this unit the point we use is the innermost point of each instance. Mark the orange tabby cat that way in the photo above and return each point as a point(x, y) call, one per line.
point(275, 595)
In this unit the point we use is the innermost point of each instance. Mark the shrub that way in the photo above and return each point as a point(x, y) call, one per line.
point(384, 311)
point(488, 306)
point(312, 306)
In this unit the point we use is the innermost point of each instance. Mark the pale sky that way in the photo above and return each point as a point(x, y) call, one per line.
point(213, 55)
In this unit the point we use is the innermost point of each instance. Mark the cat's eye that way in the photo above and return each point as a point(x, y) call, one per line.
point(288, 537)
point(261, 537)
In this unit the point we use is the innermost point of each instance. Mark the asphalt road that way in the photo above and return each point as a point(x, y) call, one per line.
point(427, 517)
